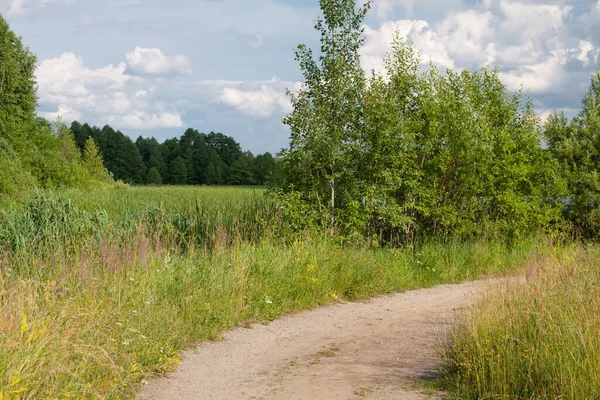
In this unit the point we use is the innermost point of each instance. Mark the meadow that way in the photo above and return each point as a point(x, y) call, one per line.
point(392, 180)
point(101, 290)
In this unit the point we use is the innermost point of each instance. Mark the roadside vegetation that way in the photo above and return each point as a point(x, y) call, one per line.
point(392, 181)
point(533, 340)
point(90, 311)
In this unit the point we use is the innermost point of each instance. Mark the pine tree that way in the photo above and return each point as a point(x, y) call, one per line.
point(93, 161)
point(69, 147)
point(178, 171)
point(154, 177)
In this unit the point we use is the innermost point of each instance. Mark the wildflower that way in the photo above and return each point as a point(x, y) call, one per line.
point(24, 325)
point(268, 300)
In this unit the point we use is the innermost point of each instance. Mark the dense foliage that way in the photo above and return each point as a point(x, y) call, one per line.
point(575, 147)
point(408, 153)
point(32, 151)
point(418, 152)
point(193, 159)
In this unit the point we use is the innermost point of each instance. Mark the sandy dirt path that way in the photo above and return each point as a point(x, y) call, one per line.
point(376, 349)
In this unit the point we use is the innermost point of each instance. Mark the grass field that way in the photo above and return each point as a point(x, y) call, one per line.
point(101, 290)
point(118, 203)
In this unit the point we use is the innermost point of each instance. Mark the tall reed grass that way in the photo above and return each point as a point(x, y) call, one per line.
point(49, 225)
point(534, 340)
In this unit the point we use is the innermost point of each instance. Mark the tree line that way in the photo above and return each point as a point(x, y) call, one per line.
point(397, 156)
point(37, 153)
point(415, 152)
point(193, 159)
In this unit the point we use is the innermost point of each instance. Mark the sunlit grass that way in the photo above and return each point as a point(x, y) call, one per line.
point(534, 340)
point(121, 202)
point(94, 300)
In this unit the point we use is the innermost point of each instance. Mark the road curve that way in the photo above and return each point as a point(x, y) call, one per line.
point(375, 349)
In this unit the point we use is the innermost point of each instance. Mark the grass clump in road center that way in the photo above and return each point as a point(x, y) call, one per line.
point(533, 340)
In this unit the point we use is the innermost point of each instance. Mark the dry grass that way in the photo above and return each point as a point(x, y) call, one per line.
point(535, 340)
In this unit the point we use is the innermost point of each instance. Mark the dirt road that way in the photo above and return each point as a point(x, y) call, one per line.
point(375, 349)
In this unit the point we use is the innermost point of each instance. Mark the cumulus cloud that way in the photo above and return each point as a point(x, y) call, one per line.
point(66, 76)
point(259, 99)
point(378, 42)
point(537, 45)
point(256, 103)
point(385, 8)
point(153, 61)
point(70, 90)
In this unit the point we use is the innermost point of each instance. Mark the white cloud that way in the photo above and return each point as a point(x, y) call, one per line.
point(536, 45)
point(466, 35)
point(18, 8)
point(258, 99)
point(537, 78)
point(64, 112)
point(140, 120)
point(101, 95)
point(67, 77)
point(587, 53)
point(153, 61)
point(378, 42)
point(384, 8)
point(260, 103)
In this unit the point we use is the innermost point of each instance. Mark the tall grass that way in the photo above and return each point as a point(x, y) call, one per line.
point(534, 340)
point(58, 226)
point(93, 299)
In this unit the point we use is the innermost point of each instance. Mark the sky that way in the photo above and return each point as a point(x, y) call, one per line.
point(157, 67)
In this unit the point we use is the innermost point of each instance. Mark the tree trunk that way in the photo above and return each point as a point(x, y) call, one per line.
point(332, 190)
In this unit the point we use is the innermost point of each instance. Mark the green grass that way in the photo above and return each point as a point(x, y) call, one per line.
point(58, 225)
point(92, 301)
point(535, 340)
point(119, 203)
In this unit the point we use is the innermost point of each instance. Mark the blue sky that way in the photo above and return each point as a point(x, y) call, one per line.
point(156, 67)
